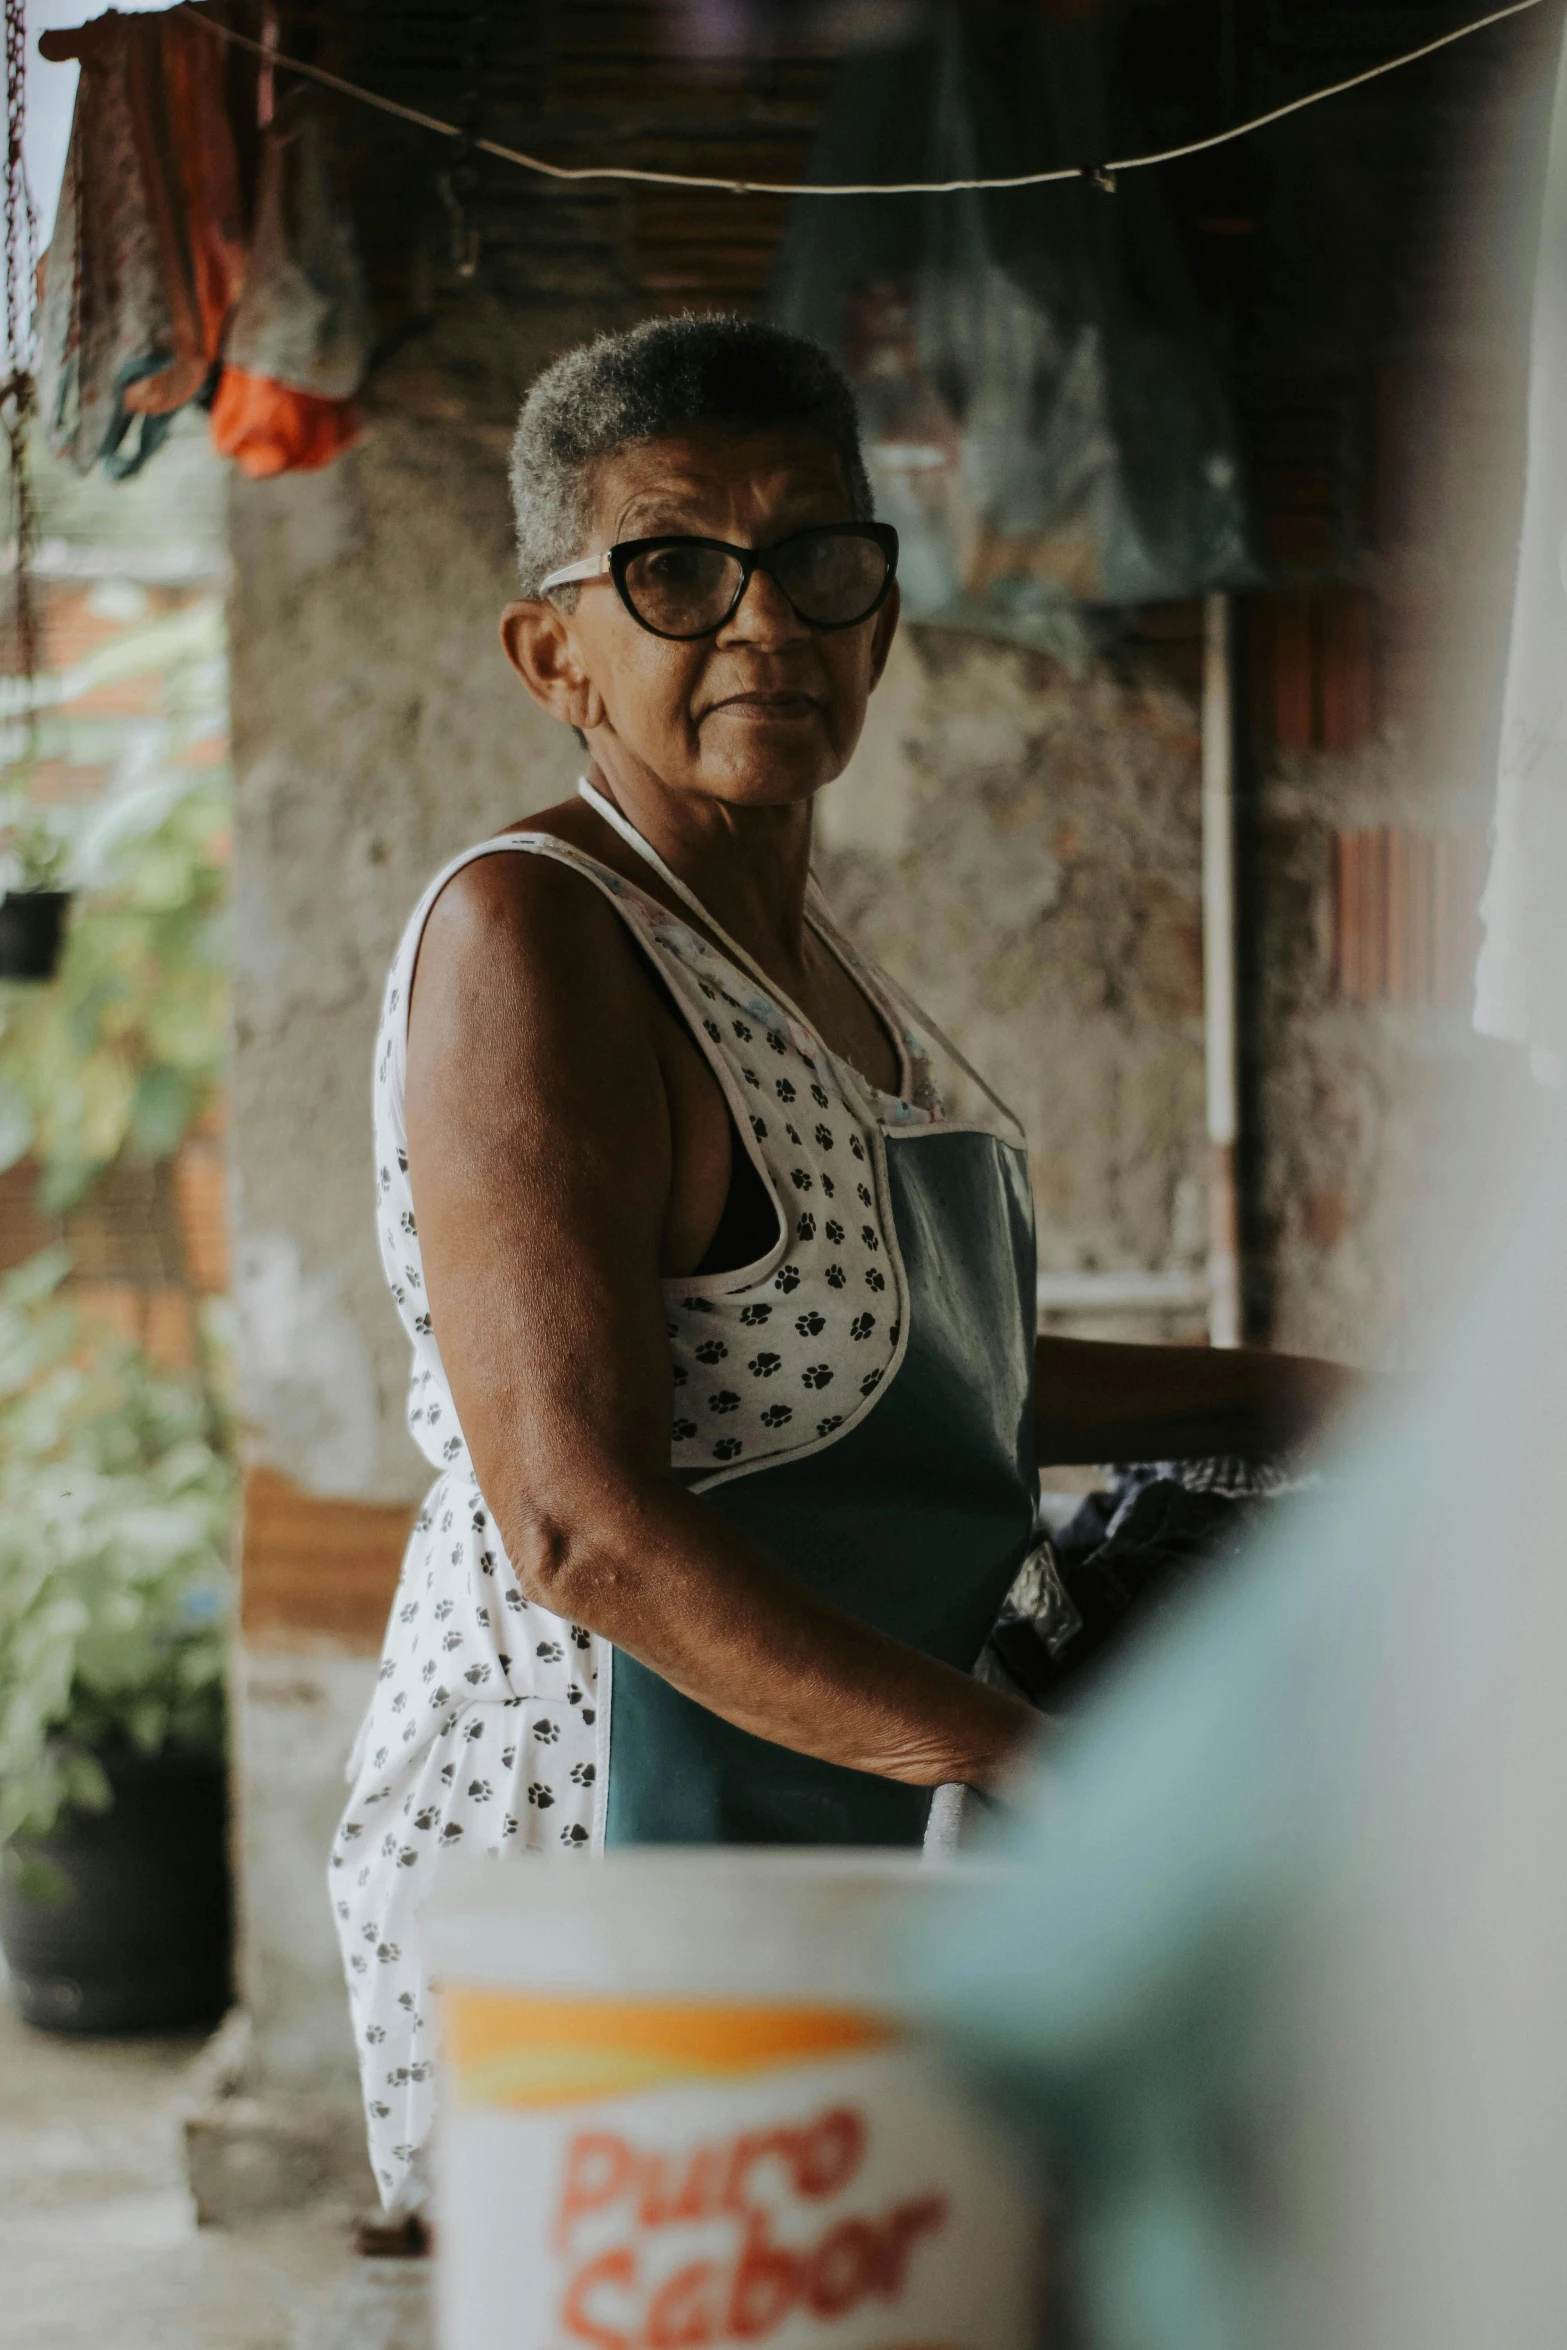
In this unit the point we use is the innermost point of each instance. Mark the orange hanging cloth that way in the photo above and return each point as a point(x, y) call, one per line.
point(299, 344)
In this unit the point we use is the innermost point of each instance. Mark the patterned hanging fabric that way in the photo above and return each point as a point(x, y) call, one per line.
point(148, 250)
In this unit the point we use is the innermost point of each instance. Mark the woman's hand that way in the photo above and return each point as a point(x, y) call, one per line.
point(541, 1156)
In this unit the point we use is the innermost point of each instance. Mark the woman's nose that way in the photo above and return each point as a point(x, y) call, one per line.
point(763, 616)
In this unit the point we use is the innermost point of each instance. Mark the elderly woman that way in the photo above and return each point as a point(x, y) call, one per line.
point(722, 1329)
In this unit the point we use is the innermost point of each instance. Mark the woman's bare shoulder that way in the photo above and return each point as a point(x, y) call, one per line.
point(511, 922)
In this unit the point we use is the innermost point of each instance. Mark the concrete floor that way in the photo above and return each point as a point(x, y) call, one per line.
point(99, 2248)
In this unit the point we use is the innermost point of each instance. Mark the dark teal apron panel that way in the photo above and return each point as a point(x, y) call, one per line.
point(916, 1521)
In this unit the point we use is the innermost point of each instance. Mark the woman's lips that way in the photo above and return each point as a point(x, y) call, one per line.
point(763, 706)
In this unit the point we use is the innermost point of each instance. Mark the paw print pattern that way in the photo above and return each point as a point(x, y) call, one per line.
point(807, 1119)
point(499, 1756)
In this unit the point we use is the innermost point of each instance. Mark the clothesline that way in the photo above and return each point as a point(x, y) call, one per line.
point(1103, 174)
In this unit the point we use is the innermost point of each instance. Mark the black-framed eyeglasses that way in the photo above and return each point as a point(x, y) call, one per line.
point(833, 576)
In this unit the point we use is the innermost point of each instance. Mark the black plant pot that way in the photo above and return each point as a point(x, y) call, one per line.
point(138, 1937)
point(32, 931)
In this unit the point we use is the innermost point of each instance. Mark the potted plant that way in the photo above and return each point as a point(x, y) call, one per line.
point(34, 898)
point(115, 1502)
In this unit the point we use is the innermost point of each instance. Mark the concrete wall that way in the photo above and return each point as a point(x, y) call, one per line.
point(1381, 1172)
point(377, 730)
point(1022, 849)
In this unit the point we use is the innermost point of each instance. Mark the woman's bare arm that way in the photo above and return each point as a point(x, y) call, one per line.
point(1096, 1401)
point(540, 1155)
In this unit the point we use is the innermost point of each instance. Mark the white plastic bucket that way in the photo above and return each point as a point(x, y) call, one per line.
point(681, 2108)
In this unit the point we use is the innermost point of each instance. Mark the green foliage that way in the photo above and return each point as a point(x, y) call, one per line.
point(116, 1497)
point(33, 850)
point(127, 1046)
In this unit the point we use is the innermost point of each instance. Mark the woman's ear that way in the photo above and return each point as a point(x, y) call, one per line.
point(882, 634)
point(541, 647)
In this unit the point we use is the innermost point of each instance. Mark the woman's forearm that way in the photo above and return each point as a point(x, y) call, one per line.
point(677, 1588)
point(1098, 1401)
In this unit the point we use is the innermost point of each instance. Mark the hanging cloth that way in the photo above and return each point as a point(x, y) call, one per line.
point(1521, 982)
point(301, 338)
point(148, 248)
point(1041, 415)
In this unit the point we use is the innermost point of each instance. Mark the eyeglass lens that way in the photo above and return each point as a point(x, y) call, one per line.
point(831, 578)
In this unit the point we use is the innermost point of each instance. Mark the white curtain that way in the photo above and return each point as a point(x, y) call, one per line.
point(1521, 981)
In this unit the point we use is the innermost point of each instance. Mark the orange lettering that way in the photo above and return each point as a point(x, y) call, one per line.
point(827, 2155)
point(748, 2150)
point(907, 2221)
point(682, 2315)
point(610, 2268)
point(598, 2171)
point(696, 2195)
point(767, 2283)
point(846, 2265)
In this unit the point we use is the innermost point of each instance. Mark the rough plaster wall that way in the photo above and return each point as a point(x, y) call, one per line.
point(1022, 849)
point(1390, 1142)
point(297, 1718)
point(377, 730)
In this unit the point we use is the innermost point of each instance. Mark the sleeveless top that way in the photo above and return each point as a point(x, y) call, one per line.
point(883, 1455)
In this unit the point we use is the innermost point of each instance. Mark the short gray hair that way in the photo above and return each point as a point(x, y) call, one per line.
point(667, 376)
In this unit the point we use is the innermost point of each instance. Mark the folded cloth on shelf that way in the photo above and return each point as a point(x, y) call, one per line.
point(1122, 1562)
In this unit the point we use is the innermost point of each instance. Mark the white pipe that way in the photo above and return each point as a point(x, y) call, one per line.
point(1218, 967)
point(1136, 1292)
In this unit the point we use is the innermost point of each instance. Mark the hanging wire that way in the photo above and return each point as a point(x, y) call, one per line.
point(21, 298)
point(1101, 175)
point(458, 185)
